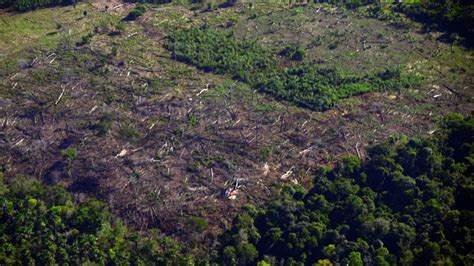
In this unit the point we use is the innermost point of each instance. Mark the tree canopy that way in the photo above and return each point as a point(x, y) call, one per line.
point(43, 225)
point(410, 202)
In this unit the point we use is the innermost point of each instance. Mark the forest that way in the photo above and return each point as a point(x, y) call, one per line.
point(43, 225)
point(407, 204)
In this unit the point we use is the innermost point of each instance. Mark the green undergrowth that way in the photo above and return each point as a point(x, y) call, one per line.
point(220, 53)
point(314, 87)
point(43, 225)
point(322, 88)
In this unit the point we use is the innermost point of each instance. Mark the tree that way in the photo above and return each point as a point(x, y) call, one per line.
point(355, 259)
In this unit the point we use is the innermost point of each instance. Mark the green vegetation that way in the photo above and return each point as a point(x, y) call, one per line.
point(138, 11)
point(293, 52)
point(220, 53)
point(456, 16)
point(42, 225)
point(103, 125)
point(322, 88)
point(350, 3)
point(304, 85)
point(179, 150)
point(409, 203)
point(130, 133)
point(197, 224)
point(24, 5)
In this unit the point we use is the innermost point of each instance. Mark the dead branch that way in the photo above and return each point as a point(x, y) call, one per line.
point(60, 95)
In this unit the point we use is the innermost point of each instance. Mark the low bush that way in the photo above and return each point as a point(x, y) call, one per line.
point(294, 52)
point(138, 11)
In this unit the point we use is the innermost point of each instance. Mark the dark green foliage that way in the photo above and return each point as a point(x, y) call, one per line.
point(453, 15)
point(409, 203)
point(24, 5)
point(130, 133)
point(43, 226)
point(69, 154)
point(197, 224)
point(5, 3)
point(322, 88)
point(349, 3)
point(86, 39)
point(103, 125)
point(138, 11)
point(305, 85)
point(220, 53)
point(293, 52)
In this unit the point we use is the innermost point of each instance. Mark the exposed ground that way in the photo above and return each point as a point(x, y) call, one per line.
point(161, 141)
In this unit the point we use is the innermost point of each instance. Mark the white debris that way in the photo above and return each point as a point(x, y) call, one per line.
point(122, 153)
point(18, 143)
point(231, 193)
point(203, 90)
point(304, 124)
point(304, 152)
point(93, 109)
point(266, 169)
point(287, 174)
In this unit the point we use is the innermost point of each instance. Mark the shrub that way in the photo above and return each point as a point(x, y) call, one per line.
point(69, 154)
point(197, 224)
point(138, 11)
point(294, 52)
point(130, 133)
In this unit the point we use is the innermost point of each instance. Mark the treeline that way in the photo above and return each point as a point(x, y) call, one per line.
point(25, 5)
point(349, 3)
point(453, 15)
point(410, 203)
point(42, 225)
point(304, 85)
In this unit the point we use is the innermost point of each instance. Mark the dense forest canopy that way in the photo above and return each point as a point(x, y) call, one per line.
point(410, 202)
point(43, 225)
